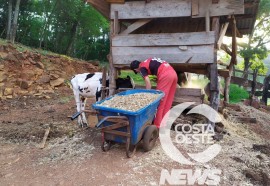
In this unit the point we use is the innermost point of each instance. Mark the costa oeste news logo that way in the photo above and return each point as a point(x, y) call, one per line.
point(190, 134)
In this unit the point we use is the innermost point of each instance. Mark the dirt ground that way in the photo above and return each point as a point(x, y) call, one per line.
point(70, 157)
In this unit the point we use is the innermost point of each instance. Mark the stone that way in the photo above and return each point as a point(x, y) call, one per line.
point(23, 84)
point(23, 92)
point(9, 97)
point(11, 57)
point(8, 91)
point(31, 61)
point(44, 79)
point(3, 55)
point(40, 65)
point(2, 67)
point(57, 82)
point(3, 77)
point(20, 56)
point(54, 76)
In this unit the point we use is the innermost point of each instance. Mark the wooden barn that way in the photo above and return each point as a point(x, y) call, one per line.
point(186, 33)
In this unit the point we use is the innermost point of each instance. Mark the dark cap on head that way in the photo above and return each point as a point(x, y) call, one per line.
point(134, 65)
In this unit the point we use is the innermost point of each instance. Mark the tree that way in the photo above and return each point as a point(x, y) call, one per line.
point(254, 50)
point(12, 22)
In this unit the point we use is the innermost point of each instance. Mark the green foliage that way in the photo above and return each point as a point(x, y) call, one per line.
point(237, 93)
point(137, 77)
point(254, 51)
point(70, 27)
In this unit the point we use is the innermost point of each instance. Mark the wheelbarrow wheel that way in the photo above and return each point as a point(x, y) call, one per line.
point(150, 137)
point(106, 145)
point(130, 149)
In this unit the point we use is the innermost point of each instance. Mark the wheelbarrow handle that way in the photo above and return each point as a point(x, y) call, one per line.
point(79, 113)
point(74, 116)
point(109, 117)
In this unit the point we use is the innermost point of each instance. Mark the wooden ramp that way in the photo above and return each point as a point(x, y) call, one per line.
point(242, 82)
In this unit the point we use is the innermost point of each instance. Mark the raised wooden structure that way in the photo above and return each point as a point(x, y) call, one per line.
point(186, 33)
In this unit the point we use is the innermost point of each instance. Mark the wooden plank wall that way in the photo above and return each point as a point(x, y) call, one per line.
point(172, 54)
point(175, 48)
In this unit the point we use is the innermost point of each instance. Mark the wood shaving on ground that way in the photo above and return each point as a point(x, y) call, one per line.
point(131, 102)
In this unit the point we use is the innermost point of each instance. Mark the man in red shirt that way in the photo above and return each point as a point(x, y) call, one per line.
point(166, 82)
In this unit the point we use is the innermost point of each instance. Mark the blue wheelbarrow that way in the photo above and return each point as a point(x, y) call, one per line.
point(122, 126)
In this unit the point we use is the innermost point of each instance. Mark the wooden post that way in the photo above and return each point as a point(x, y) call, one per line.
point(207, 21)
point(253, 85)
point(213, 76)
point(266, 88)
point(104, 78)
point(112, 84)
point(116, 23)
point(213, 71)
point(233, 61)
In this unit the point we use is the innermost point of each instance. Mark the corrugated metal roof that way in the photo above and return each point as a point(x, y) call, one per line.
point(245, 23)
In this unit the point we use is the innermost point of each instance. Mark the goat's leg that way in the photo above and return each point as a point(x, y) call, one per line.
point(84, 120)
point(78, 106)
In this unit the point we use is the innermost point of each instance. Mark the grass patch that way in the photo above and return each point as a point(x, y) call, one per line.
point(65, 99)
point(237, 94)
point(137, 77)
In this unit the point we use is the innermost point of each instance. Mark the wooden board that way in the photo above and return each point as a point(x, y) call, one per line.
point(187, 99)
point(115, 1)
point(176, 8)
point(102, 6)
point(241, 82)
point(154, 9)
point(188, 92)
point(222, 8)
point(173, 54)
point(170, 39)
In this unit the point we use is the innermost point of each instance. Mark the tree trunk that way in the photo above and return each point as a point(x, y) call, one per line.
point(9, 19)
point(72, 38)
point(15, 21)
point(46, 25)
point(247, 65)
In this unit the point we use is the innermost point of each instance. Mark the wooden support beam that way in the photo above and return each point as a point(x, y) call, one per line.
point(222, 63)
point(116, 1)
point(116, 23)
point(223, 73)
point(104, 78)
point(234, 41)
point(135, 26)
point(233, 60)
point(226, 49)
point(102, 6)
point(213, 71)
point(112, 84)
point(207, 21)
point(195, 7)
point(222, 34)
